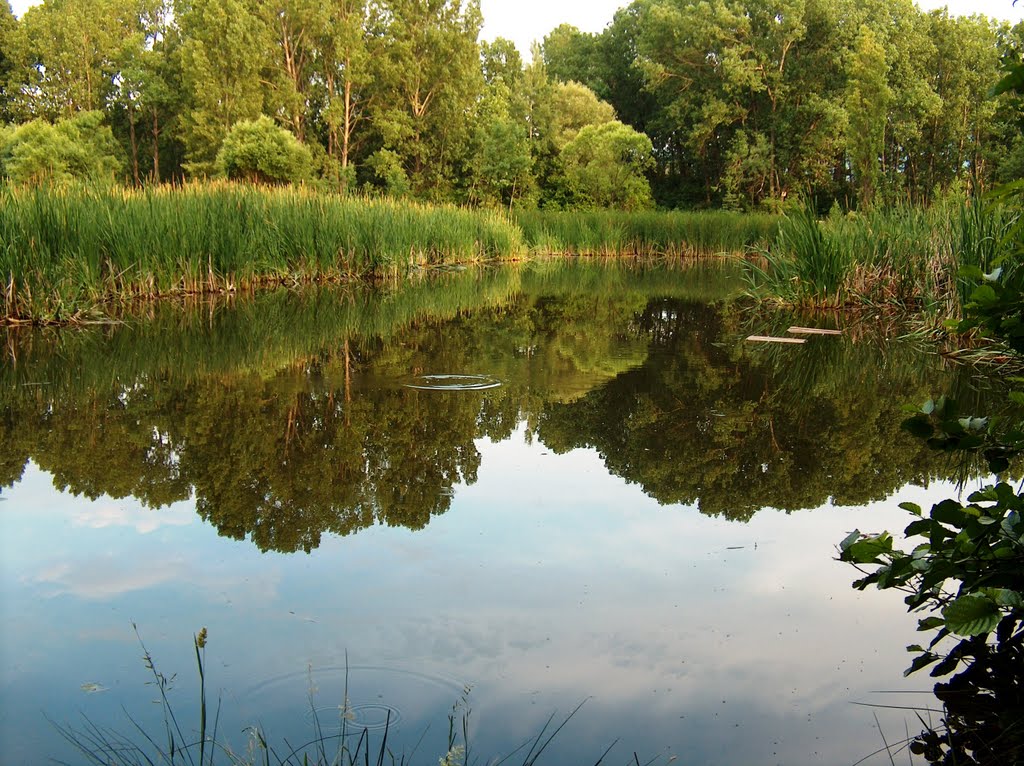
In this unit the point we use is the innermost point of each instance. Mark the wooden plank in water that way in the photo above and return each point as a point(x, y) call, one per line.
point(813, 331)
point(770, 339)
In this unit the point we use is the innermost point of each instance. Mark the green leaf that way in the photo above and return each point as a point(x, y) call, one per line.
point(1013, 81)
point(984, 296)
point(949, 512)
point(913, 508)
point(850, 539)
point(971, 615)
point(921, 661)
point(921, 527)
point(918, 426)
point(928, 407)
point(930, 623)
point(945, 667)
point(869, 549)
point(1005, 597)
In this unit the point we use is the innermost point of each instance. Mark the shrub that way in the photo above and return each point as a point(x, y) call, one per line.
point(259, 151)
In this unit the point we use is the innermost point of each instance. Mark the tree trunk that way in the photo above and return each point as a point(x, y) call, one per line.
point(135, 146)
point(156, 147)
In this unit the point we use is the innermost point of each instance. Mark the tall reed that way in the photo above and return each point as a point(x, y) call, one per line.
point(611, 232)
point(63, 250)
point(901, 257)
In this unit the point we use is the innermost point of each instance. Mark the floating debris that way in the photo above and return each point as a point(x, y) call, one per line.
point(813, 331)
point(771, 339)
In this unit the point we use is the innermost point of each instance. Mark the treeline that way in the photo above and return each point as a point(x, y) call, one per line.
point(741, 103)
point(389, 96)
point(750, 102)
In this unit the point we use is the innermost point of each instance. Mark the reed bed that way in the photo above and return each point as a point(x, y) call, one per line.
point(650, 233)
point(895, 258)
point(66, 251)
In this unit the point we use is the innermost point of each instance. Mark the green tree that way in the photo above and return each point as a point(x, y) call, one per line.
point(428, 79)
point(574, 107)
point(222, 59)
point(343, 67)
point(69, 53)
point(502, 163)
point(868, 103)
point(8, 30)
point(260, 152)
point(605, 166)
point(81, 148)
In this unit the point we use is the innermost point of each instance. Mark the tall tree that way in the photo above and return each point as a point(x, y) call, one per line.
point(343, 67)
point(429, 79)
point(222, 59)
point(868, 100)
point(8, 29)
point(69, 54)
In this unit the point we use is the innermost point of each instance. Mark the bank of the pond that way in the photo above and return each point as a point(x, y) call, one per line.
point(902, 257)
point(66, 254)
point(70, 250)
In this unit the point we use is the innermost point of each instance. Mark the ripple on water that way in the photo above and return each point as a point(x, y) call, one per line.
point(378, 697)
point(448, 382)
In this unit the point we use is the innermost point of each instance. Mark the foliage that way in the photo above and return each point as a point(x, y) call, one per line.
point(78, 149)
point(261, 152)
point(71, 250)
point(221, 58)
point(969, 569)
point(747, 103)
point(896, 257)
point(604, 165)
point(612, 232)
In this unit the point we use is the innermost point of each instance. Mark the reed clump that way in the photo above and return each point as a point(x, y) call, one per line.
point(894, 258)
point(645, 233)
point(66, 251)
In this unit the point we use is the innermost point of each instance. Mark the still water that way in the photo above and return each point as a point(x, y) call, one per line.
point(506, 491)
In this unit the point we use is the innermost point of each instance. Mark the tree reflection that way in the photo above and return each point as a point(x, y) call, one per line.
point(287, 416)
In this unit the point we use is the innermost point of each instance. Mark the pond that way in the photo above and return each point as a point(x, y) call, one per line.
point(494, 494)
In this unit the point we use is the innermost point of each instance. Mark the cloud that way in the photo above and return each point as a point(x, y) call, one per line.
point(142, 520)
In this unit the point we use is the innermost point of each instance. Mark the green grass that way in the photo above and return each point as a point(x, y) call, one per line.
point(610, 232)
point(70, 253)
point(66, 251)
point(902, 258)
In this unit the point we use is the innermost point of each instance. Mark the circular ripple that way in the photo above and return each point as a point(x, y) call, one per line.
point(453, 383)
point(371, 715)
point(373, 693)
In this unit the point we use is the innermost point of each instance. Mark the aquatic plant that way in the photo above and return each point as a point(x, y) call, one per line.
point(351, 746)
point(643, 233)
point(901, 257)
point(68, 251)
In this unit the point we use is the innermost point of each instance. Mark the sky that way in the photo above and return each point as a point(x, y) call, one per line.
point(524, 21)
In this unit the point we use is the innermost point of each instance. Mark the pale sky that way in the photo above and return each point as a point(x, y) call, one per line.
point(523, 21)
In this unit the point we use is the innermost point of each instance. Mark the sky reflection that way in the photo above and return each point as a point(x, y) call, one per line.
point(686, 634)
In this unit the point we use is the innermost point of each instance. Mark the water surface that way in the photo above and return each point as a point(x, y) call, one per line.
point(552, 484)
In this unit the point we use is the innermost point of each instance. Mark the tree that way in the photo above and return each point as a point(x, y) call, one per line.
point(343, 67)
point(502, 163)
point(81, 148)
point(428, 80)
point(8, 29)
point(260, 152)
point(222, 58)
point(604, 166)
point(69, 54)
point(868, 103)
point(574, 107)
